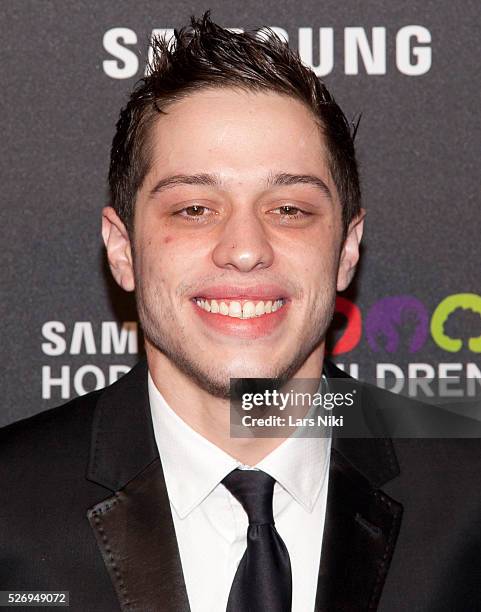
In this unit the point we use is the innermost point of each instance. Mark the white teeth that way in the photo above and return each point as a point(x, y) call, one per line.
point(259, 308)
point(235, 310)
point(247, 310)
point(276, 305)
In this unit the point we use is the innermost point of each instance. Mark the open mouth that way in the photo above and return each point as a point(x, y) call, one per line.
point(240, 309)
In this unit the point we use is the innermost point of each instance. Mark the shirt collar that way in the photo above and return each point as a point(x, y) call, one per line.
point(193, 466)
point(299, 465)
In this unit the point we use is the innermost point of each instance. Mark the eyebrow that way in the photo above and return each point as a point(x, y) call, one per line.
point(284, 178)
point(213, 180)
point(168, 182)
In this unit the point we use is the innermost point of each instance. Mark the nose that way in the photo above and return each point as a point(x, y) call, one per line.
point(243, 244)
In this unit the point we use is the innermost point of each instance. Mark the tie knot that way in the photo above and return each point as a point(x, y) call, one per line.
point(254, 490)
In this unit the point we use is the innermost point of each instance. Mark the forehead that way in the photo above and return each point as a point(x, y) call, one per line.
point(237, 133)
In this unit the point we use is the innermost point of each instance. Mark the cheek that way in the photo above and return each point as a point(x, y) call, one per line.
point(314, 264)
point(164, 261)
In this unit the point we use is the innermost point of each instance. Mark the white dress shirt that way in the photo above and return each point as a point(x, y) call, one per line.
point(211, 525)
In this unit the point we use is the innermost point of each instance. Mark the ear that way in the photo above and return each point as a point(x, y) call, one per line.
point(350, 251)
point(119, 251)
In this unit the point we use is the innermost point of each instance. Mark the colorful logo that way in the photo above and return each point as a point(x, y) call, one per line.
point(403, 320)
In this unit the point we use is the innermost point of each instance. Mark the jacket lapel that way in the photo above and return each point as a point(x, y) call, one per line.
point(135, 532)
point(360, 532)
point(361, 526)
point(133, 527)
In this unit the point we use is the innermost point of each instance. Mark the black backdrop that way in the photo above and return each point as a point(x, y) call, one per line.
point(411, 68)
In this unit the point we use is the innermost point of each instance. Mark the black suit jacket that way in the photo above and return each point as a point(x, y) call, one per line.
point(84, 508)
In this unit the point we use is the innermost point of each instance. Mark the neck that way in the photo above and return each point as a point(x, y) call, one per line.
point(210, 415)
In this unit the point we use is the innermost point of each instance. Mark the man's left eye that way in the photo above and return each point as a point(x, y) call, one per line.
point(289, 211)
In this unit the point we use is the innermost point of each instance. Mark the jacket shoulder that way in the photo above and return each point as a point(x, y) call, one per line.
point(61, 434)
point(52, 435)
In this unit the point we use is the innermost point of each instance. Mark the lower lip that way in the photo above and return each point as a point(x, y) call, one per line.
point(256, 327)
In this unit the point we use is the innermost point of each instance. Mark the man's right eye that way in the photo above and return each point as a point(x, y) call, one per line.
point(194, 211)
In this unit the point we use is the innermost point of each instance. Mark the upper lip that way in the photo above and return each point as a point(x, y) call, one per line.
point(234, 292)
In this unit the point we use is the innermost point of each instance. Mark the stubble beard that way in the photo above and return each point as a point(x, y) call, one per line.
point(155, 324)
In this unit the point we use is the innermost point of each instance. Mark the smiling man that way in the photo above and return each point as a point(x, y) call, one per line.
point(235, 242)
point(235, 247)
point(235, 217)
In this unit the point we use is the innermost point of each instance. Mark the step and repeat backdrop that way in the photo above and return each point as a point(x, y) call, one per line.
point(411, 69)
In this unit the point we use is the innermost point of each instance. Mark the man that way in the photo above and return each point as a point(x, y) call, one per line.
point(235, 216)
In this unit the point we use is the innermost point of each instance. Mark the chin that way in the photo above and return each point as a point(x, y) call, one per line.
point(254, 371)
point(245, 364)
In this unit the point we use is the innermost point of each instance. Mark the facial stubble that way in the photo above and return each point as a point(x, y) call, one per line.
point(158, 324)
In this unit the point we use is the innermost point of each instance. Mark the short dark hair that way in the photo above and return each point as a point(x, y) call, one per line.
point(206, 55)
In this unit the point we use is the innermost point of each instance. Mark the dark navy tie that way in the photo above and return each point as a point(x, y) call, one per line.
point(263, 581)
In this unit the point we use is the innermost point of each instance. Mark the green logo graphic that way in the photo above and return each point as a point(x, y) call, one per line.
point(463, 301)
